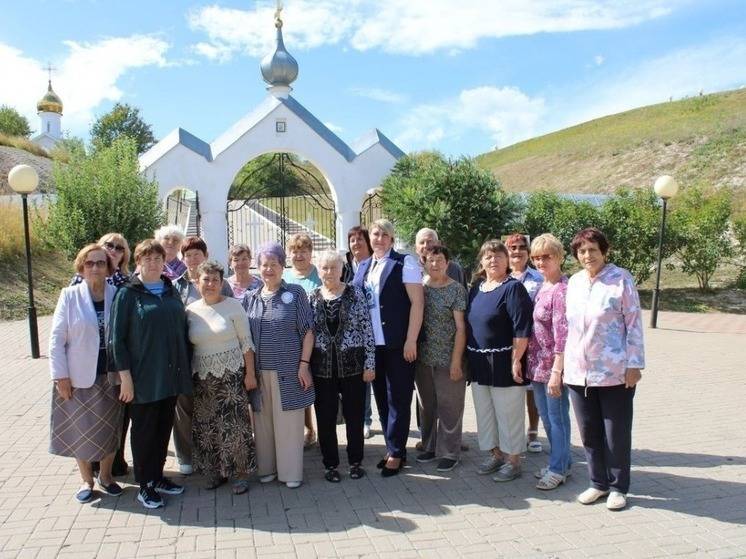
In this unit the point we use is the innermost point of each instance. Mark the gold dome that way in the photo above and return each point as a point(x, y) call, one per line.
point(50, 103)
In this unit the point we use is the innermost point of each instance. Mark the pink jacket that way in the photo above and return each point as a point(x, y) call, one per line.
point(74, 339)
point(604, 323)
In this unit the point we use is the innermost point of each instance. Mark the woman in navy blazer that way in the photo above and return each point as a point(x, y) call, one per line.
point(86, 411)
point(392, 283)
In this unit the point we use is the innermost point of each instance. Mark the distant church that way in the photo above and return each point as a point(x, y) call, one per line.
point(49, 109)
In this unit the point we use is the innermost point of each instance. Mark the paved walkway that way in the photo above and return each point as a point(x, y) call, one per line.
point(688, 495)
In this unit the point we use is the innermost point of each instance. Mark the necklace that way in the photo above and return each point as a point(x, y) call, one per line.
point(486, 286)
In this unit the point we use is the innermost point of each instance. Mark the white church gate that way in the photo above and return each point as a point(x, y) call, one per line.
point(277, 199)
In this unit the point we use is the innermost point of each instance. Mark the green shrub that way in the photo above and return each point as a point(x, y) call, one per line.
point(102, 192)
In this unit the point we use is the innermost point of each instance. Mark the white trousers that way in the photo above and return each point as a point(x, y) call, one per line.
point(501, 417)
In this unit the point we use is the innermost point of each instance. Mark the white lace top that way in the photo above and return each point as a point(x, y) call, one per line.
point(220, 335)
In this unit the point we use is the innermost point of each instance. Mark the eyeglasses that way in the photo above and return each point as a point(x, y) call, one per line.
point(97, 263)
point(541, 257)
point(518, 247)
point(112, 246)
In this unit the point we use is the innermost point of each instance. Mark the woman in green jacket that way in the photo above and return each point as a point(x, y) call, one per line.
point(149, 349)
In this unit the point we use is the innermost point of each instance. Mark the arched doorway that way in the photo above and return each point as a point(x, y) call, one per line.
point(277, 195)
point(181, 207)
point(372, 208)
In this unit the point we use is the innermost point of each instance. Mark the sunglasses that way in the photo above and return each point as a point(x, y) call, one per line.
point(97, 263)
point(112, 246)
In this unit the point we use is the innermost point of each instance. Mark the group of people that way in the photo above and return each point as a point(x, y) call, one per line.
point(234, 365)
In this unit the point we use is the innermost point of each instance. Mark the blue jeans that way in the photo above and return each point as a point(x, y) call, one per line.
point(368, 412)
point(555, 415)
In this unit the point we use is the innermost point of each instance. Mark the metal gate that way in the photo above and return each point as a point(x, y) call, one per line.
point(295, 200)
point(372, 208)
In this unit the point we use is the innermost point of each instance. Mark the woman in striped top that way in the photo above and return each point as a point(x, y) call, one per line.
point(281, 322)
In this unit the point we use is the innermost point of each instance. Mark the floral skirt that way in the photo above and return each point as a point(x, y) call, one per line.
point(222, 435)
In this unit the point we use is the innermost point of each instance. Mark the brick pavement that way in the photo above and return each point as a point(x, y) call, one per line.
point(688, 495)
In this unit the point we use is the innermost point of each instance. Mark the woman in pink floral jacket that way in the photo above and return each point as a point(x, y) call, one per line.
point(603, 357)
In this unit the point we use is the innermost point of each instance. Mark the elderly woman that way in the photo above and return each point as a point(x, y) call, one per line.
point(302, 272)
point(440, 378)
point(242, 280)
point(223, 369)
point(170, 237)
point(86, 413)
point(281, 323)
point(519, 252)
point(358, 245)
point(603, 358)
point(194, 252)
point(546, 358)
point(342, 362)
point(393, 289)
point(499, 324)
point(149, 349)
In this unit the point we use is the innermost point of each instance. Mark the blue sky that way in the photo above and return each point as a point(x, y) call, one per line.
point(461, 76)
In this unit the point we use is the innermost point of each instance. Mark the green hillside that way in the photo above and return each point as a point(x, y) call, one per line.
point(699, 139)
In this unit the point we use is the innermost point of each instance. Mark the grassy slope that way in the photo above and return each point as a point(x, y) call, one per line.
point(696, 139)
point(51, 272)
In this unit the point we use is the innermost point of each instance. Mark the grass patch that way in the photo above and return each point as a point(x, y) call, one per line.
point(51, 271)
point(19, 142)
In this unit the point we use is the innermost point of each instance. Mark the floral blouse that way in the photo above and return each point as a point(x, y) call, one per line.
point(604, 322)
point(550, 330)
point(439, 327)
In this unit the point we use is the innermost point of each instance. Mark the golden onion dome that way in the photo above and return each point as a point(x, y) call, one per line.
point(50, 103)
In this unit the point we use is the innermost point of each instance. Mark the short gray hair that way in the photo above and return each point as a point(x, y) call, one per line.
point(426, 231)
point(331, 256)
point(211, 267)
point(169, 231)
point(383, 224)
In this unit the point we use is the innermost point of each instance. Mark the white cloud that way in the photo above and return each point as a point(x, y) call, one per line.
point(414, 27)
point(708, 67)
point(87, 76)
point(505, 114)
point(378, 94)
point(598, 59)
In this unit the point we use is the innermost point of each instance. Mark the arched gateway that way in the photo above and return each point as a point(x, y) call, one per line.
point(280, 124)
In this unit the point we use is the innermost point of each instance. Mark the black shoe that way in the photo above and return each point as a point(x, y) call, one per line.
point(388, 472)
point(356, 471)
point(168, 487)
point(332, 475)
point(446, 464)
point(381, 463)
point(119, 469)
point(113, 489)
point(425, 457)
point(149, 497)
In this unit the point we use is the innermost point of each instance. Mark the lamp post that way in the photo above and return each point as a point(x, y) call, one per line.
point(665, 187)
point(24, 180)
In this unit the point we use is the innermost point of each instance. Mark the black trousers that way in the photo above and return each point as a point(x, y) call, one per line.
point(328, 392)
point(604, 417)
point(119, 459)
point(393, 388)
point(149, 436)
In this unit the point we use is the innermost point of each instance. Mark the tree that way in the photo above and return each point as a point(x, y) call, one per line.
point(463, 203)
point(700, 223)
point(631, 220)
point(13, 123)
point(262, 177)
point(102, 192)
point(122, 120)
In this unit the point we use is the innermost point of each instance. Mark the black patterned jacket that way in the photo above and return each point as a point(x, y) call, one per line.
point(354, 340)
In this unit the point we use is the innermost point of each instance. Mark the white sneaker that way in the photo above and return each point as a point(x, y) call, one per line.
point(186, 469)
point(591, 495)
point(366, 432)
point(268, 478)
point(616, 501)
point(293, 484)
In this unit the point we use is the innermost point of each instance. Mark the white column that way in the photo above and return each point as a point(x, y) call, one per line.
point(346, 220)
point(214, 230)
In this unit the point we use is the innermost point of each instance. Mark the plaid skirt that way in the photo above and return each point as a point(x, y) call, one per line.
point(88, 425)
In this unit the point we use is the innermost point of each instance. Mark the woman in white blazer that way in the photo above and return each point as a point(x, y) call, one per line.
point(86, 411)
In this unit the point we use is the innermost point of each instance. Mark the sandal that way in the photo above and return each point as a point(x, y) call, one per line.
point(332, 475)
point(240, 486)
point(356, 471)
point(550, 481)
